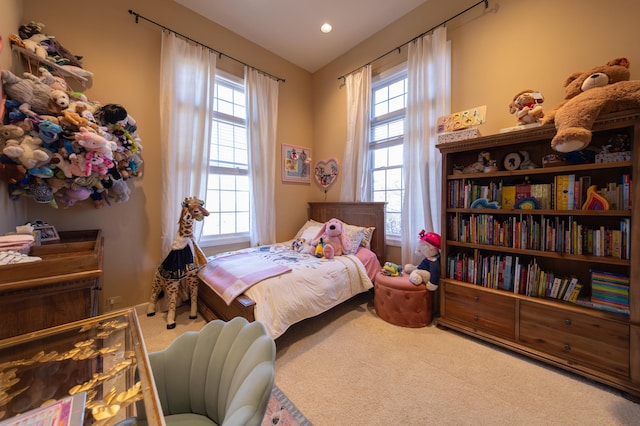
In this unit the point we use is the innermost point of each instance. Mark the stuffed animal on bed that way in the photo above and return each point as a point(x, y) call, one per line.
point(334, 239)
point(428, 271)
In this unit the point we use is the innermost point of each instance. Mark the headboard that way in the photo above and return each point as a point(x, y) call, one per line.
point(361, 214)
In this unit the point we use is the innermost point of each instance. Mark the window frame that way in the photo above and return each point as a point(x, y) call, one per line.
point(385, 79)
point(211, 240)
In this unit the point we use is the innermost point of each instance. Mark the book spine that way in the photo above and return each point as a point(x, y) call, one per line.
point(562, 192)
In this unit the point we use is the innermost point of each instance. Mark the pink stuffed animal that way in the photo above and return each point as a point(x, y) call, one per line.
point(335, 240)
point(92, 141)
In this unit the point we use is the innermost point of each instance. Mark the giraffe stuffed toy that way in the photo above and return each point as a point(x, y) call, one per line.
point(181, 265)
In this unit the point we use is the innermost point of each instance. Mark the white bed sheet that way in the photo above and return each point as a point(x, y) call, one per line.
point(312, 287)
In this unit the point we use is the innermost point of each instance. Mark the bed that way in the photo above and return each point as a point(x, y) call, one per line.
point(363, 215)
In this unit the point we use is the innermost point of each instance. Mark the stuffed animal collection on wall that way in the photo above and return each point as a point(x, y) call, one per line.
point(57, 146)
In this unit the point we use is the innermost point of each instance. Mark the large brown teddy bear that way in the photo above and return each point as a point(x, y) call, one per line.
point(601, 90)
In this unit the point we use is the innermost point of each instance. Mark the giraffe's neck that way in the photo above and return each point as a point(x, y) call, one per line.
point(185, 230)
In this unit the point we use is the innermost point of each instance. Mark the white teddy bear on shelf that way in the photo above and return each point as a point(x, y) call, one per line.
point(428, 271)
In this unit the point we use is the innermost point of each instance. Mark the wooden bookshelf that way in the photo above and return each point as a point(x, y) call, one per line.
point(476, 299)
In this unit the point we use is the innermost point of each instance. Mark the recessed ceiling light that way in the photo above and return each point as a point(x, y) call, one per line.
point(326, 27)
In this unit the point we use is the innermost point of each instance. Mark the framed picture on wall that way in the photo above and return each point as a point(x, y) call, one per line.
point(296, 164)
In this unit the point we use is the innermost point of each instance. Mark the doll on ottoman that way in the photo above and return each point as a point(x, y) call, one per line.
point(428, 271)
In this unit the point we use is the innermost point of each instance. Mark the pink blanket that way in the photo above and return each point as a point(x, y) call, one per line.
point(229, 276)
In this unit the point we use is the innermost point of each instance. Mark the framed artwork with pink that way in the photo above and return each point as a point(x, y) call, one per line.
point(296, 164)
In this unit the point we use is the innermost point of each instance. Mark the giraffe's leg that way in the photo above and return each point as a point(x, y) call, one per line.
point(171, 287)
point(156, 287)
point(192, 281)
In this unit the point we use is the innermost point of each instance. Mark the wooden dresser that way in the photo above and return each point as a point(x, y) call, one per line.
point(61, 288)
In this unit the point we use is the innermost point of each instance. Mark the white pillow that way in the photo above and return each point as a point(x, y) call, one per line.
point(367, 233)
point(355, 237)
point(310, 233)
point(308, 223)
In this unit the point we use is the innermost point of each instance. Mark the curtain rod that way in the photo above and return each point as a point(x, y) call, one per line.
point(138, 17)
point(486, 6)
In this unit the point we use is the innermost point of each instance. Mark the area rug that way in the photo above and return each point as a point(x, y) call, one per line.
point(282, 412)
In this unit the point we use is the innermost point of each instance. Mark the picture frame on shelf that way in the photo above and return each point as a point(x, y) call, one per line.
point(296, 164)
point(44, 232)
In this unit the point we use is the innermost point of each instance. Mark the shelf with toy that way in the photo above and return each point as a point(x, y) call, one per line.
point(71, 74)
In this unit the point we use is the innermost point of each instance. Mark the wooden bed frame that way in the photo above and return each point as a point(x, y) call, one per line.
point(211, 306)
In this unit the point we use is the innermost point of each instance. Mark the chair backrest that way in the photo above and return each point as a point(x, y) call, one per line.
point(225, 371)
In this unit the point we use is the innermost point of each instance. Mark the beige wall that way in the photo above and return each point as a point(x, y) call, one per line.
point(12, 212)
point(514, 45)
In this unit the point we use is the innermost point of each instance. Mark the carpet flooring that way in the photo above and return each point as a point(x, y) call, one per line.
point(349, 367)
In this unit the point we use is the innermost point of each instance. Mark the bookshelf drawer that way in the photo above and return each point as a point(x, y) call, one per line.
point(481, 309)
point(577, 338)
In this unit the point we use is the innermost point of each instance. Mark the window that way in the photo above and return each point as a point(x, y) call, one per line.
point(388, 109)
point(228, 192)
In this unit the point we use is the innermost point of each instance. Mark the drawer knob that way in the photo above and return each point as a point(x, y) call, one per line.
point(475, 318)
point(567, 347)
point(567, 321)
point(476, 298)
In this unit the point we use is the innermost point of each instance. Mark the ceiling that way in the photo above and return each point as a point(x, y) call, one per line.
point(291, 28)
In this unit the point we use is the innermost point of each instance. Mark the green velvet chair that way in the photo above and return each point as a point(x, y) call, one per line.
point(221, 375)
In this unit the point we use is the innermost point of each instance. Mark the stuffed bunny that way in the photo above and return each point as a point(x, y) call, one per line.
point(335, 240)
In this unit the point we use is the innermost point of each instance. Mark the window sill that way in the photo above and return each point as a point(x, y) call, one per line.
point(393, 241)
point(218, 244)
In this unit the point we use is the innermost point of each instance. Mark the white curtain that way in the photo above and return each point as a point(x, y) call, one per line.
point(355, 182)
point(187, 78)
point(262, 120)
point(427, 99)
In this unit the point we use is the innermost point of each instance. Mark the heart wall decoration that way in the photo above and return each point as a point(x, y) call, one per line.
point(326, 172)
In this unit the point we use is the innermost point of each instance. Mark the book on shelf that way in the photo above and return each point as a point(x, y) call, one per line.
point(516, 276)
point(542, 193)
point(575, 293)
point(570, 288)
point(571, 192)
point(561, 190)
point(584, 183)
point(523, 191)
point(626, 191)
point(563, 287)
point(613, 194)
point(610, 289)
point(508, 197)
point(555, 288)
point(616, 243)
point(507, 275)
point(625, 227)
point(595, 305)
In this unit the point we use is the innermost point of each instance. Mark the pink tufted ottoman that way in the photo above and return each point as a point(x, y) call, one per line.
point(400, 302)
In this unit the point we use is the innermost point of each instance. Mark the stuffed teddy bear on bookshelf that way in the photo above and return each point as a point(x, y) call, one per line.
point(526, 107)
point(601, 90)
